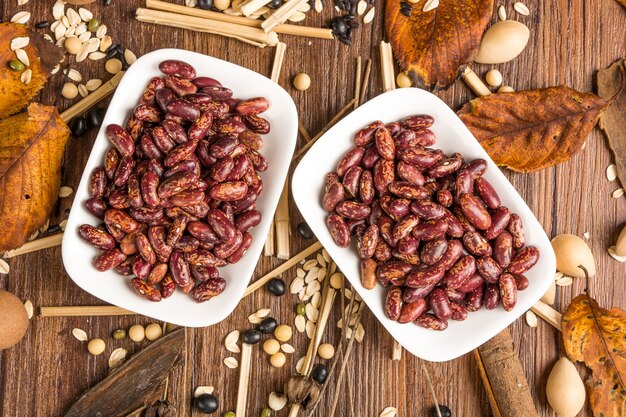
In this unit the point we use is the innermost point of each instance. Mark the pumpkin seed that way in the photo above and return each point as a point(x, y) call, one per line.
point(105, 43)
point(231, 342)
point(21, 2)
point(521, 8)
point(277, 401)
point(231, 362)
point(80, 334)
point(73, 17)
point(618, 193)
point(20, 17)
point(531, 319)
point(63, 224)
point(311, 275)
point(28, 305)
point(208, 389)
point(300, 323)
point(502, 13)
point(321, 274)
point(389, 412)
point(300, 273)
point(85, 36)
point(21, 42)
point(336, 280)
point(117, 355)
point(611, 172)
point(287, 348)
point(369, 16)
point(430, 5)
point(321, 260)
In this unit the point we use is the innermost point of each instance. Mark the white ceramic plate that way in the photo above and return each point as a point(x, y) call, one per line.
point(453, 136)
point(278, 147)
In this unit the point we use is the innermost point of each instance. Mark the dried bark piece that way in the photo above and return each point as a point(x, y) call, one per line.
point(131, 385)
point(43, 57)
point(31, 150)
point(597, 337)
point(437, 42)
point(534, 129)
point(613, 119)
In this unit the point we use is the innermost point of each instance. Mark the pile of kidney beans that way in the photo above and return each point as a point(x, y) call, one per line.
point(178, 189)
point(427, 225)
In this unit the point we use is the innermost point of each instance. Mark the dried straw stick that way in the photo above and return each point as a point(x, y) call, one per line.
point(432, 389)
point(83, 311)
point(244, 379)
point(366, 80)
point(36, 245)
point(547, 313)
point(296, 30)
point(279, 57)
point(268, 249)
point(474, 82)
point(282, 14)
point(281, 222)
point(252, 6)
point(334, 120)
point(93, 98)
point(386, 64)
point(357, 82)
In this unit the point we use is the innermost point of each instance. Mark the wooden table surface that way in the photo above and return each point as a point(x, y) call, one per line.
point(570, 40)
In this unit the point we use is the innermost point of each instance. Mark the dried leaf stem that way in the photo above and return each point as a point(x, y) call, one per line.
point(281, 223)
point(279, 57)
point(357, 83)
point(483, 375)
point(432, 389)
point(366, 81)
point(281, 14)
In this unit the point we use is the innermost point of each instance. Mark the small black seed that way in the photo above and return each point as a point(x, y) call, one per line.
point(445, 411)
point(251, 337)
point(205, 4)
point(275, 4)
point(54, 229)
point(319, 373)
point(78, 126)
point(304, 230)
point(42, 24)
point(106, 2)
point(207, 403)
point(268, 325)
point(95, 116)
point(276, 286)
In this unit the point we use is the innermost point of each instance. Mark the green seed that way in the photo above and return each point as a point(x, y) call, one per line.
point(93, 25)
point(169, 327)
point(119, 334)
point(300, 309)
point(266, 412)
point(229, 414)
point(16, 65)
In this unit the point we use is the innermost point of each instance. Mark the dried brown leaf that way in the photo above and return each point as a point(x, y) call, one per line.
point(534, 129)
point(31, 150)
point(436, 43)
point(43, 56)
point(613, 119)
point(597, 337)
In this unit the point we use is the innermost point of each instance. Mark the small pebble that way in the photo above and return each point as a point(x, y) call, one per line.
point(251, 337)
point(69, 91)
point(153, 331)
point(493, 77)
point(278, 359)
point(96, 346)
point(319, 373)
point(276, 286)
point(326, 351)
point(113, 66)
point(305, 231)
point(283, 333)
point(137, 333)
point(207, 403)
point(302, 81)
point(403, 80)
point(271, 346)
point(72, 45)
point(268, 325)
point(505, 89)
point(78, 126)
point(445, 411)
point(95, 116)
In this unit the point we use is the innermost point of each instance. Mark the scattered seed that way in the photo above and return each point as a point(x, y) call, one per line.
point(618, 193)
point(21, 2)
point(336, 280)
point(300, 364)
point(73, 17)
point(296, 17)
point(369, 16)
point(191, 3)
point(300, 323)
point(502, 13)
point(85, 14)
point(615, 256)
point(361, 6)
point(430, 5)
point(321, 274)
point(277, 401)
point(586, 235)
point(311, 275)
point(117, 355)
point(204, 389)
point(389, 411)
point(93, 84)
point(113, 66)
point(85, 36)
point(65, 21)
point(360, 333)
point(20, 17)
point(58, 10)
point(63, 224)
point(73, 75)
point(312, 313)
point(296, 285)
point(258, 317)
point(20, 42)
point(231, 342)
point(80, 334)
point(611, 172)
point(309, 264)
point(312, 288)
point(300, 273)
point(59, 31)
point(531, 319)
point(316, 300)
point(26, 76)
point(28, 305)
point(96, 56)
point(96, 347)
point(4, 267)
point(105, 43)
point(231, 362)
point(310, 329)
point(287, 348)
point(319, 6)
point(82, 28)
point(521, 8)
point(564, 282)
point(129, 57)
point(65, 191)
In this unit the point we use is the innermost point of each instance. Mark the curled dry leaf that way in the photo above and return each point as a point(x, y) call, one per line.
point(535, 129)
point(597, 337)
point(31, 149)
point(43, 56)
point(435, 43)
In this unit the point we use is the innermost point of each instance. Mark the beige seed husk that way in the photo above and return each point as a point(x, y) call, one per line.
point(521, 8)
point(296, 285)
point(102, 30)
point(65, 191)
point(310, 329)
point(21, 2)
point(305, 7)
point(4, 267)
point(113, 66)
point(49, 39)
point(531, 319)
point(70, 32)
point(83, 54)
point(73, 17)
point(21, 42)
point(80, 334)
point(58, 10)
point(309, 264)
point(20, 17)
point(65, 21)
point(300, 364)
point(92, 45)
point(312, 313)
point(614, 255)
point(59, 31)
point(232, 12)
point(369, 16)
point(360, 7)
point(389, 412)
point(203, 389)
point(430, 5)
point(611, 172)
point(82, 90)
point(231, 362)
point(96, 56)
point(320, 260)
point(82, 28)
point(321, 274)
point(30, 310)
point(63, 224)
point(191, 3)
point(93, 84)
point(312, 288)
point(296, 17)
point(316, 300)
point(277, 401)
point(311, 275)
point(130, 56)
point(85, 36)
point(319, 6)
point(117, 355)
point(105, 43)
point(74, 75)
point(360, 333)
point(300, 273)
point(231, 342)
point(502, 12)
point(85, 14)
point(300, 323)
point(56, 69)
point(287, 348)
point(564, 282)
point(26, 76)
point(618, 193)
point(325, 255)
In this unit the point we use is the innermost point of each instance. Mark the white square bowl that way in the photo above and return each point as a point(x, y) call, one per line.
point(308, 187)
point(278, 148)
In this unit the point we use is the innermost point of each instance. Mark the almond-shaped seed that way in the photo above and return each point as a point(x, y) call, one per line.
point(360, 333)
point(65, 191)
point(430, 5)
point(84, 37)
point(26, 76)
point(70, 32)
point(93, 44)
point(80, 29)
point(4, 267)
point(321, 274)
point(231, 342)
point(93, 84)
point(312, 288)
point(300, 273)
point(73, 17)
point(531, 319)
point(191, 3)
point(305, 7)
point(102, 30)
point(312, 313)
point(74, 75)
point(59, 31)
point(296, 285)
point(325, 255)
point(80, 334)
point(369, 16)
point(21, 42)
point(85, 14)
point(309, 264)
point(316, 300)
point(319, 6)
point(82, 90)
point(300, 364)
point(320, 260)
point(502, 12)
point(83, 54)
point(615, 256)
point(203, 389)
point(58, 10)
point(310, 329)
point(361, 6)
point(287, 348)
point(296, 17)
point(54, 25)
point(65, 21)
point(618, 193)
point(389, 412)
point(30, 310)
point(63, 224)
point(96, 56)
point(130, 57)
point(300, 323)
point(521, 8)
point(105, 43)
point(564, 282)
point(277, 401)
point(611, 172)
point(117, 355)
point(311, 275)
point(231, 362)
point(20, 17)
point(21, 2)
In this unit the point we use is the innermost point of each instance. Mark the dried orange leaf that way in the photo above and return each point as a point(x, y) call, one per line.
point(597, 337)
point(437, 42)
point(535, 129)
point(31, 150)
point(42, 55)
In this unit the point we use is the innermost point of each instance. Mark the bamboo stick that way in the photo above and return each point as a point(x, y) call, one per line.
point(386, 64)
point(285, 29)
point(281, 14)
point(546, 312)
point(83, 311)
point(268, 249)
point(357, 83)
point(366, 80)
point(252, 6)
point(244, 379)
point(281, 224)
point(474, 82)
point(92, 99)
point(279, 57)
point(36, 245)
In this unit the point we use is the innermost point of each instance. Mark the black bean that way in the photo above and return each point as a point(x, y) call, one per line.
point(205, 4)
point(268, 325)
point(207, 403)
point(251, 337)
point(445, 411)
point(276, 286)
point(95, 116)
point(319, 373)
point(78, 126)
point(42, 24)
point(304, 230)
point(54, 229)
point(275, 4)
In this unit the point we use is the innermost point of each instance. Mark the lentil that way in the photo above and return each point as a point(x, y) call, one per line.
point(93, 25)
point(300, 309)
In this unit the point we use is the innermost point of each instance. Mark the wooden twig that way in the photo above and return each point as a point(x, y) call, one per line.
point(244, 379)
point(474, 82)
point(547, 313)
point(92, 99)
point(495, 409)
point(334, 120)
point(432, 389)
point(296, 30)
point(282, 14)
point(83, 311)
point(36, 245)
point(366, 81)
point(303, 132)
point(281, 222)
point(357, 82)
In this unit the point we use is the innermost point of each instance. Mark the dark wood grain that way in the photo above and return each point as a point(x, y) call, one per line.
point(570, 40)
